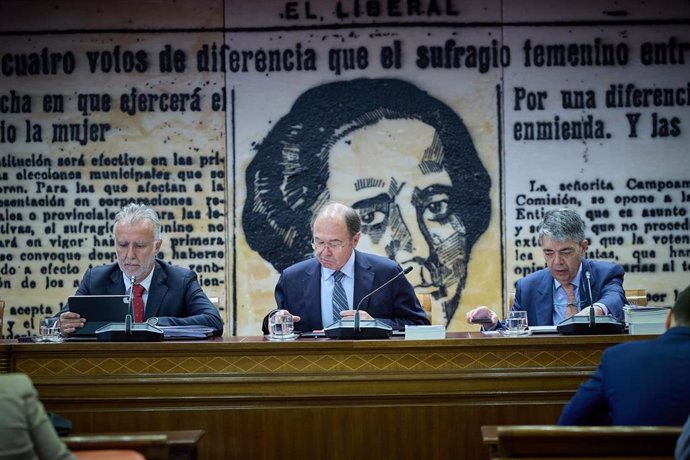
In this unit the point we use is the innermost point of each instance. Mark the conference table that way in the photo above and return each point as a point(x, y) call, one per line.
point(313, 398)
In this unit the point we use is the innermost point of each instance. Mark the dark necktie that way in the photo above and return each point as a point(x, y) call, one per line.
point(339, 297)
point(138, 303)
point(571, 308)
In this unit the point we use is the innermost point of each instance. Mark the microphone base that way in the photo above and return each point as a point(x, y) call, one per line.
point(118, 332)
point(580, 325)
point(368, 330)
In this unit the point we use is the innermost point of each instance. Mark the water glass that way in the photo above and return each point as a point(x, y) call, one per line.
point(49, 330)
point(516, 324)
point(281, 325)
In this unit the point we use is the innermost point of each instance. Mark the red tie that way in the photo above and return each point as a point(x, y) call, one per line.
point(138, 303)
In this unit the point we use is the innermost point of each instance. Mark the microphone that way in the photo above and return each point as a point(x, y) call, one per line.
point(580, 325)
point(128, 316)
point(592, 314)
point(359, 304)
point(129, 331)
point(347, 329)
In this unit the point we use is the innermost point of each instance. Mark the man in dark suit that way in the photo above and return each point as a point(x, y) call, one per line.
point(562, 289)
point(306, 289)
point(640, 383)
point(171, 295)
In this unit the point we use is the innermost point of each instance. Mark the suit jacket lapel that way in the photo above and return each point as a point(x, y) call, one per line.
point(364, 280)
point(117, 285)
point(545, 297)
point(312, 293)
point(157, 291)
point(585, 300)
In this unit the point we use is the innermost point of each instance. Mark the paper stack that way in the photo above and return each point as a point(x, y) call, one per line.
point(186, 332)
point(646, 320)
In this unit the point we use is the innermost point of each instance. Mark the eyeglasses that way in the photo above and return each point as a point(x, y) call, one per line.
point(332, 245)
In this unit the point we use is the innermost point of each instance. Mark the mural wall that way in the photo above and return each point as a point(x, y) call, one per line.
point(450, 126)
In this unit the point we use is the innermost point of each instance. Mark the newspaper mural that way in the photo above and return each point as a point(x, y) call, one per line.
point(450, 126)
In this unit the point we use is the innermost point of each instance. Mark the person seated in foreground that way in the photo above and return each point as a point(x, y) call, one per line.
point(25, 429)
point(561, 290)
point(640, 383)
point(683, 444)
point(171, 295)
point(326, 288)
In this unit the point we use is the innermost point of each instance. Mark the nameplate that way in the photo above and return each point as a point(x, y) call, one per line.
point(425, 332)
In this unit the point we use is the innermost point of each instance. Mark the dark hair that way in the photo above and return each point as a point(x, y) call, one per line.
point(561, 225)
point(681, 309)
point(286, 179)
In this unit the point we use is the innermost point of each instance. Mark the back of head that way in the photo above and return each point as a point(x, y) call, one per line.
point(681, 309)
point(561, 225)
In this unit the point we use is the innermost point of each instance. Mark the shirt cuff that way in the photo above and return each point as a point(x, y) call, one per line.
point(603, 307)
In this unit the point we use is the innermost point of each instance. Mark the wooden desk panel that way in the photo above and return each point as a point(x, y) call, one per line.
point(353, 399)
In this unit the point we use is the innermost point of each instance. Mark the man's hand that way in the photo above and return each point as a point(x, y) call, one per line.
point(585, 311)
point(295, 318)
point(481, 313)
point(70, 322)
point(345, 314)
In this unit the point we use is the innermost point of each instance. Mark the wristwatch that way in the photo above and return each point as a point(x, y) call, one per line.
point(153, 321)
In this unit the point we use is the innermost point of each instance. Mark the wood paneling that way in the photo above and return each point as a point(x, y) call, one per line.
point(353, 399)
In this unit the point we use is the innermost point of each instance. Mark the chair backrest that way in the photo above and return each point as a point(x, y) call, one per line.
point(636, 297)
point(591, 442)
point(109, 454)
point(156, 445)
point(151, 446)
point(425, 301)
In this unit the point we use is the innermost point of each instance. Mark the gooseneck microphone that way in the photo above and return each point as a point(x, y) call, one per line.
point(129, 331)
point(579, 325)
point(592, 314)
point(128, 316)
point(359, 304)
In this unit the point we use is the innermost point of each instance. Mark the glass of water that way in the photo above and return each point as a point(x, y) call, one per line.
point(49, 330)
point(281, 326)
point(516, 324)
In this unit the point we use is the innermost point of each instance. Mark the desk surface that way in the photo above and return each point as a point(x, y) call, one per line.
point(256, 355)
point(385, 397)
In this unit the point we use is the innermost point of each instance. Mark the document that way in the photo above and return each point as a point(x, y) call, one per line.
point(186, 332)
point(646, 320)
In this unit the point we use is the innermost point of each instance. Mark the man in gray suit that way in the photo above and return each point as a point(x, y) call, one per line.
point(25, 429)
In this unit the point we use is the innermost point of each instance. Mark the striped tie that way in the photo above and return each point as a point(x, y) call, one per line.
point(339, 298)
point(571, 308)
